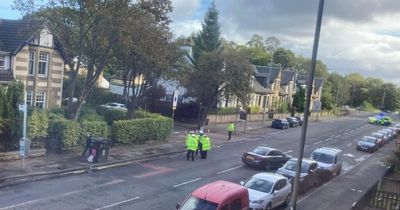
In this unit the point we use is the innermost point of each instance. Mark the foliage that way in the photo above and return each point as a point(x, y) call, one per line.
point(111, 115)
point(299, 99)
point(285, 57)
point(98, 128)
point(254, 109)
point(138, 131)
point(38, 123)
point(394, 159)
point(368, 107)
point(225, 110)
point(283, 107)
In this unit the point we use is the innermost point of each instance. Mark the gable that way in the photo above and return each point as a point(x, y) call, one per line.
point(15, 33)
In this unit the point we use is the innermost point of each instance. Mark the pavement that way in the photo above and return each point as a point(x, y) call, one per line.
point(70, 162)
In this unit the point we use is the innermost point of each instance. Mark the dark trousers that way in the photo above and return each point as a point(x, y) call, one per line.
point(200, 146)
point(203, 154)
point(190, 153)
point(85, 150)
point(230, 135)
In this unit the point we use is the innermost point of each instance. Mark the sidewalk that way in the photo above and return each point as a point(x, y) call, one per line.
point(55, 165)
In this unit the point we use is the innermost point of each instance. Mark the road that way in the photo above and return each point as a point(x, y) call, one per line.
point(161, 183)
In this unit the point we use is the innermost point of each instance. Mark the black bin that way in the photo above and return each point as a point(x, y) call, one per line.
point(270, 115)
point(102, 149)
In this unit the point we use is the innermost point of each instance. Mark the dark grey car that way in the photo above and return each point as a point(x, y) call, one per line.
point(265, 157)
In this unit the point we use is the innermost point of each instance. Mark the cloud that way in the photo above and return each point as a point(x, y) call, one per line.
point(183, 9)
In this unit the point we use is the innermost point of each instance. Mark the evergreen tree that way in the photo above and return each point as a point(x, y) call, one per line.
point(299, 99)
point(208, 39)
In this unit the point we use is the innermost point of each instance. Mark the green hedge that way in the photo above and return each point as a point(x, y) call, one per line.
point(138, 131)
point(225, 110)
point(74, 133)
point(111, 115)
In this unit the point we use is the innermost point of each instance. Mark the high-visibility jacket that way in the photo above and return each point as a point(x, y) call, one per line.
point(206, 142)
point(231, 127)
point(191, 143)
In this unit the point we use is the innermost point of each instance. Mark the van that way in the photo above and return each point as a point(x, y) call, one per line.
point(329, 159)
point(218, 195)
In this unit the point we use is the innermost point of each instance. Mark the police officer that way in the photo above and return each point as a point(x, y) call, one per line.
point(206, 145)
point(191, 145)
point(230, 128)
point(88, 145)
point(199, 138)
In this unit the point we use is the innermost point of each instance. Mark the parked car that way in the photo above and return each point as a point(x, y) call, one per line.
point(392, 133)
point(293, 122)
point(280, 123)
point(310, 174)
point(380, 136)
point(268, 190)
point(368, 144)
point(265, 157)
point(387, 134)
point(328, 159)
point(113, 105)
point(395, 129)
point(218, 195)
point(300, 119)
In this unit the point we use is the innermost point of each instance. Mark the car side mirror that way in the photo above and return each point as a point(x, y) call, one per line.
point(242, 183)
point(275, 192)
point(178, 205)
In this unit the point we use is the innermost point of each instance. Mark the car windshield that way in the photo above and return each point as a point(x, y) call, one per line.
point(260, 151)
point(261, 185)
point(194, 203)
point(369, 140)
point(322, 157)
point(291, 166)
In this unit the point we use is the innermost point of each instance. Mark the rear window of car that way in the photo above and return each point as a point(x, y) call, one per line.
point(291, 166)
point(370, 140)
point(194, 203)
point(261, 185)
point(260, 151)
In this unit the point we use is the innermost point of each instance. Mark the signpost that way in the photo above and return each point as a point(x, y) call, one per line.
point(317, 108)
point(23, 142)
point(174, 104)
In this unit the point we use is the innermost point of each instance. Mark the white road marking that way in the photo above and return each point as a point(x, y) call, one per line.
point(119, 203)
point(349, 155)
point(113, 182)
point(230, 169)
point(289, 151)
point(349, 144)
point(183, 183)
point(328, 139)
point(351, 131)
point(318, 142)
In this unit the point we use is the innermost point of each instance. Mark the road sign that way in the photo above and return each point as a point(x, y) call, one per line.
point(175, 99)
point(22, 107)
point(317, 105)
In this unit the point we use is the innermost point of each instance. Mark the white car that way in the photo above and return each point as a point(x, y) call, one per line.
point(267, 190)
point(328, 159)
point(114, 106)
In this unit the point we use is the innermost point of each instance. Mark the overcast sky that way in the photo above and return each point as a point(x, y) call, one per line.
point(356, 36)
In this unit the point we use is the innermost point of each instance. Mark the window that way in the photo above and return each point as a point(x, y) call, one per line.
point(31, 68)
point(2, 62)
point(28, 98)
point(43, 63)
point(41, 99)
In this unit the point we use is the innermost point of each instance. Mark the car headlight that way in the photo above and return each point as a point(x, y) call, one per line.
point(257, 201)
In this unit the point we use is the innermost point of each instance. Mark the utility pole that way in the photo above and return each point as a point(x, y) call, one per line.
point(337, 94)
point(383, 98)
point(310, 82)
point(352, 95)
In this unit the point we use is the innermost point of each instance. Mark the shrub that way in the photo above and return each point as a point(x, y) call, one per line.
point(225, 110)
point(254, 109)
point(368, 107)
point(37, 125)
point(143, 114)
point(137, 131)
point(68, 131)
point(97, 128)
point(111, 115)
point(283, 108)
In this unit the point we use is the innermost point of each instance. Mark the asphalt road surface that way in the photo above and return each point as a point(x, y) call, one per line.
point(161, 183)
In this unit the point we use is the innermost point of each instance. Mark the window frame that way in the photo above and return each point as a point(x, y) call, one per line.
point(3, 59)
point(46, 62)
point(29, 92)
point(33, 60)
point(38, 94)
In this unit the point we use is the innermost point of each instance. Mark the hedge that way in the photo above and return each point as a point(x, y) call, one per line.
point(138, 131)
point(111, 115)
point(73, 133)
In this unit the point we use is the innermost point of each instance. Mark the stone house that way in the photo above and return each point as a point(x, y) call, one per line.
point(288, 86)
point(270, 78)
point(30, 54)
point(318, 83)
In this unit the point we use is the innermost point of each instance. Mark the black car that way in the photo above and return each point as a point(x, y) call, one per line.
point(293, 122)
point(280, 124)
point(368, 144)
point(300, 119)
point(310, 174)
point(265, 157)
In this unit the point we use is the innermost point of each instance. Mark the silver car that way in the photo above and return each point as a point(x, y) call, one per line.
point(268, 190)
point(328, 159)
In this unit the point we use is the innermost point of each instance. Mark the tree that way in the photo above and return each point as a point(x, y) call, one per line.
point(272, 43)
point(256, 41)
point(299, 99)
point(87, 32)
point(284, 57)
point(208, 39)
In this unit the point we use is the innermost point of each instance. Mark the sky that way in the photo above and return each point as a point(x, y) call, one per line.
point(360, 36)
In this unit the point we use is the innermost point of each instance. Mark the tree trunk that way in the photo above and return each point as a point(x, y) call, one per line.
point(71, 94)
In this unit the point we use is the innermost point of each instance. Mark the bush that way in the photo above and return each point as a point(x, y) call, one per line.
point(368, 107)
point(111, 115)
point(38, 124)
point(97, 128)
point(283, 108)
point(254, 109)
point(137, 131)
point(225, 110)
point(143, 114)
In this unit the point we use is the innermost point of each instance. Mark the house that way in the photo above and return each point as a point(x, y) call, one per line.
point(288, 86)
point(302, 81)
point(270, 78)
point(30, 54)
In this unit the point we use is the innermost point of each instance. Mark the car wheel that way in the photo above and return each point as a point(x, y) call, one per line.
point(287, 201)
point(269, 206)
point(268, 166)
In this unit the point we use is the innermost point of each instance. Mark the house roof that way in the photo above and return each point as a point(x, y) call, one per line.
point(287, 76)
point(270, 72)
point(15, 33)
point(303, 79)
point(258, 88)
point(6, 76)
